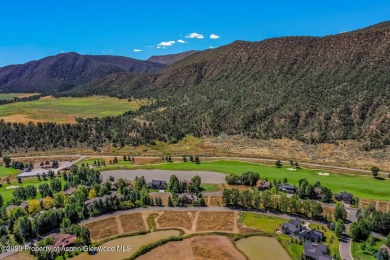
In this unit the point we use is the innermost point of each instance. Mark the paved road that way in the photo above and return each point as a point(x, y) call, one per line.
point(346, 241)
point(217, 158)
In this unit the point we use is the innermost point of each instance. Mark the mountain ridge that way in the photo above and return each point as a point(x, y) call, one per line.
point(65, 71)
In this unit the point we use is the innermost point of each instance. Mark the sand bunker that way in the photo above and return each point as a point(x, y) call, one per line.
point(12, 187)
point(323, 173)
point(291, 169)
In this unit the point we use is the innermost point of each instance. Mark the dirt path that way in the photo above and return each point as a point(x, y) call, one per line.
point(119, 225)
point(195, 222)
point(236, 219)
point(145, 216)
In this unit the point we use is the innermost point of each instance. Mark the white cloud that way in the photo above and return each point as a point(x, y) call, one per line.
point(211, 47)
point(158, 47)
point(195, 35)
point(165, 44)
point(214, 36)
point(137, 50)
point(181, 41)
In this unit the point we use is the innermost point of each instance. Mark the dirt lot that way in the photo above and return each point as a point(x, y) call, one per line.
point(216, 221)
point(214, 201)
point(164, 198)
point(132, 222)
point(175, 219)
point(199, 247)
point(327, 211)
point(102, 228)
point(379, 205)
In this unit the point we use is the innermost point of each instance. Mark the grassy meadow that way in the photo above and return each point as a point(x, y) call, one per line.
point(10, 96)
point(361, 186)
point(65, 109)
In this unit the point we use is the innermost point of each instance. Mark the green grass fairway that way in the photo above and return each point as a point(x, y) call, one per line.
point(11, 96)
point(65, 109)
point(7, 193)
point(4, 172)
point(361, 186)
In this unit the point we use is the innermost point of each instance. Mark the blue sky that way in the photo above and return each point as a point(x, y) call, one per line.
point(34, 29)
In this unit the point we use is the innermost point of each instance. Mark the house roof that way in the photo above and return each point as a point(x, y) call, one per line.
point(187, 196)
point(70, 191)
point(293, 225)
point(385, 248)
point(312, 234)
point(63, 239)
point(316, 251)
point(344, 195)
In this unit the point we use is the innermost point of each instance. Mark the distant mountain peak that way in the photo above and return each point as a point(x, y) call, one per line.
point(170, 58)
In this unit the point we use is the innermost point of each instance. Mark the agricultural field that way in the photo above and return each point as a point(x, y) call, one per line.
point(103, 228)
point(178, 219)
point(65, 109)
point(198, 247)
point(132, 222)
point(216, 221)
point(10, 96)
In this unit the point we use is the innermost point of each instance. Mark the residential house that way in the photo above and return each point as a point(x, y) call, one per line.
point(157, 185)
point(315, 251)
point(344, 196)
point(263, 185)
point(62, 240)
point(385, 248)
point(187, 198)
point(312, 235)
point(69, 191)
point(23, 205)
point(318, 193)
point(287, 188)
point(113, 196)
point(293, 227)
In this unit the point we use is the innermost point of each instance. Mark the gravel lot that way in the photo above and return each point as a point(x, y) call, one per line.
point(207, 177)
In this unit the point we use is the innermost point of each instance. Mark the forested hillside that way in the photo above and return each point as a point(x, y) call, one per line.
point(313, 89)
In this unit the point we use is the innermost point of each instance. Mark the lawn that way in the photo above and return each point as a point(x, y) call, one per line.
point(65, 109)
point(11, 96)
point(4, 172)
point(209, 187)
point(262, 222)
point(361, 186)
point(7, 193)
point(359, 254)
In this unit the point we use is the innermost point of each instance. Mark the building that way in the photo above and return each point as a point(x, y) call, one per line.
point(62, 240)
point(287, 188)
point(69, 191)
point(263, 185)
point(187, 198)
point(113, 196)
point(344, 196)
point(318, 193)
point(157, 185)
point(293, 227)
point(315, 251)
point(312, 235)
point(385, 248)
